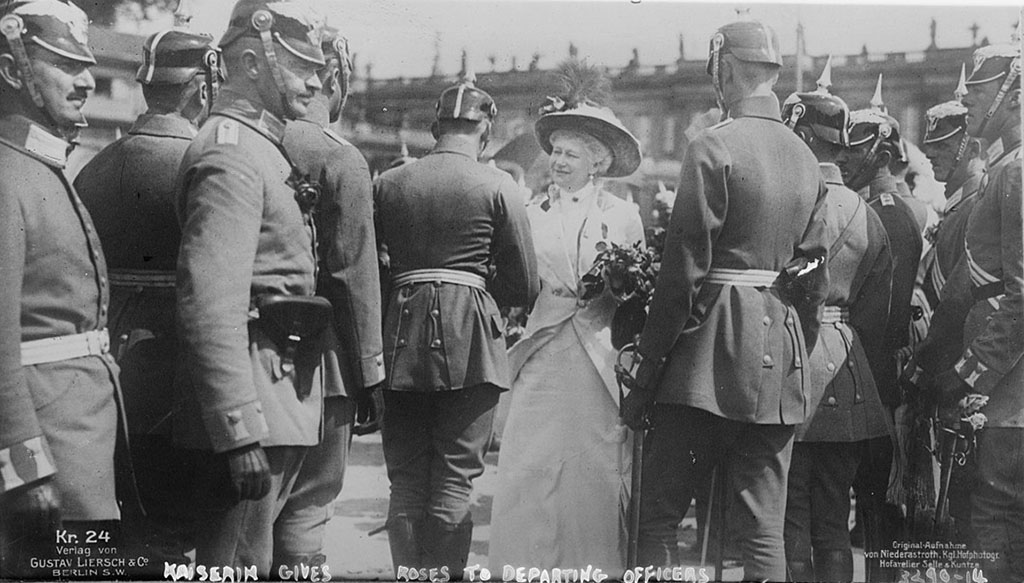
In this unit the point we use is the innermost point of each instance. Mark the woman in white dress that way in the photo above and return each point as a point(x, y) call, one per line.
point(564, 465)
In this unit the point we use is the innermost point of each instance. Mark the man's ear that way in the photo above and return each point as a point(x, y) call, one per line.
point(9, 71)
point(251, 64)
point(882, 159)
point(973, 149)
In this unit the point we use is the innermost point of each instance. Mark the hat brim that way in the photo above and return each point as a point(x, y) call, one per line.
point(625, 148)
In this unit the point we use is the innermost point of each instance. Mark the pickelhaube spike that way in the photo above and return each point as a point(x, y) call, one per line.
point(876, 100)
point(466, 76)
point(825, 80)
point(183, 15)
point(961, 86)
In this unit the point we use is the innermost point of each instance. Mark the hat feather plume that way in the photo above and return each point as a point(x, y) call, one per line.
point(583, 83)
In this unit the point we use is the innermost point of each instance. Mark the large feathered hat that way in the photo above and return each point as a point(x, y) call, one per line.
point(578, 109)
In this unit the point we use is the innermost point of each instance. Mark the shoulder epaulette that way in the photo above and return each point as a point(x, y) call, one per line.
point(227, 132)
point(887, 199)
point(337, 138)
point(721, 124)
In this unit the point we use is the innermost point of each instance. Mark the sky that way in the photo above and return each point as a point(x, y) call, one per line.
point(401, 37)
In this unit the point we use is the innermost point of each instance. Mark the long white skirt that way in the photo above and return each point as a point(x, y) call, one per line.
point(563, 469)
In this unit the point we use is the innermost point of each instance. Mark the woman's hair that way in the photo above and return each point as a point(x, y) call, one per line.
point(595, 148)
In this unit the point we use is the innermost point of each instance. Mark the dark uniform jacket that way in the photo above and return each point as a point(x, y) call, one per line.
point(948, 244)
point(905, 244)
point(53, 283)
point(130, 189)
point(243, 236)
point(991, 363)
point(843, 391)
point(347, 254)
point(447, 210)
point(749, 197)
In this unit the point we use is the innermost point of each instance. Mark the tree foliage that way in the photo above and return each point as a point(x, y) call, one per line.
point(110, 12)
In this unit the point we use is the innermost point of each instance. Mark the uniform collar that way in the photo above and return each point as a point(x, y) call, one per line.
point(236, 106)
point(31, 138)
point(967, 191)
point(883, 184)
point(831, 173)
point(464, 149)
point(763, 106)
point(163, 125)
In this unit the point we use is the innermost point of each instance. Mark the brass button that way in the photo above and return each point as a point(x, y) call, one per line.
point(435, 343)
point(406, 312)
point(831, 367)
point(766, 359)
point(790, 321)
point(798, 362)
point(401, 341)
point(849, 363)
point(831, 400)
point(435, 312)
point(767, 320)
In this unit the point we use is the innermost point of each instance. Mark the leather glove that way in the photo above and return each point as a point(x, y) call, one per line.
point(369, 412)
point(950, 388)
point(34, 509)
point(634, 407)
point(250, 472)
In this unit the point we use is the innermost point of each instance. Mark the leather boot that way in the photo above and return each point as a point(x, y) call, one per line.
point(447, 545)
point(800, 571)
point(404, 538)
point(834, 566)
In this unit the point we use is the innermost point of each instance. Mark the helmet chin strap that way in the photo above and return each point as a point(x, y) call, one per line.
point(958, 157)
point(12, 27)
point(863, 171)
point(716, 74)
point(263, 21)
point(998, 99)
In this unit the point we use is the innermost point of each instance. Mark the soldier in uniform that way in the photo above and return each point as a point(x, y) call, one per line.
point(990, 363)
point(957, 161)
point(58, 409)
point(348, 277)
point(723, 352)
point(250, 393)
point(460, 247)
point(847, 410)
point(874, 143)
point(130, 191)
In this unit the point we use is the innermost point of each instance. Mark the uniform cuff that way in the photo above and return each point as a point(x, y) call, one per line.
point(24, 463)
point(372, 369)
point(236, 427)
point(976, 374)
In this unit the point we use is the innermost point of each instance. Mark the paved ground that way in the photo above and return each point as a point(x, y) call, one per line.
point(354, 553)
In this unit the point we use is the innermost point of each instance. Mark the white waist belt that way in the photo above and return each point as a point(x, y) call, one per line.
point(834, 314)
point(141, 278)
point(742, 277)
point(453, 276)
point(58, 348)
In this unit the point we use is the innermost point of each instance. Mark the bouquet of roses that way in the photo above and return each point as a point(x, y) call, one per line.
point(628, 272)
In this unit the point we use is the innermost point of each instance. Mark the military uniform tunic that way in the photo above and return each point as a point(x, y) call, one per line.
point(243, 235)
point(843, 393)
point(448, 211)
point(748, 193)
point(130, 189)
point(949, 237)
point(905, 244)
point(57, 416)
point(347, 253)
point(991, 362)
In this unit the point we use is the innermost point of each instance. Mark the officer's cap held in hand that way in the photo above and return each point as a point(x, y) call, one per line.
point(173, 57)
point(57, 26)
point(292, 25)
point(747, 40)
